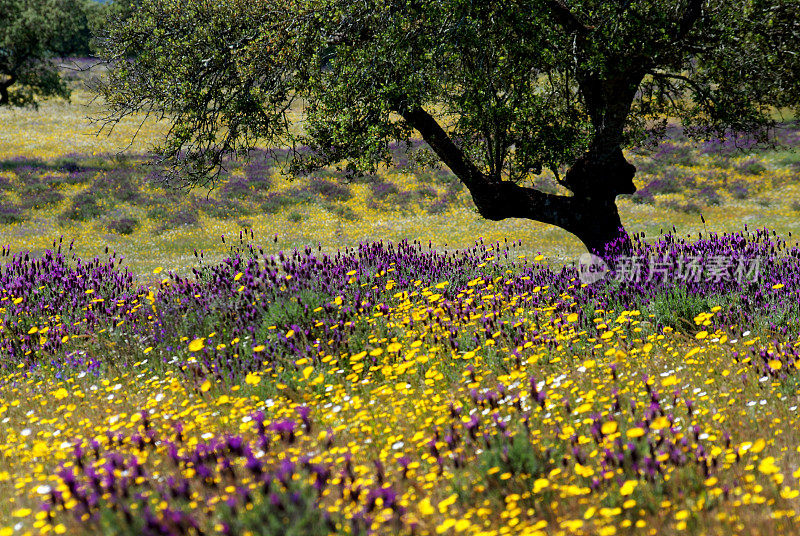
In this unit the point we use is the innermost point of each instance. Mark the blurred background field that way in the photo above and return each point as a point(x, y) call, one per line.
point(58, 177)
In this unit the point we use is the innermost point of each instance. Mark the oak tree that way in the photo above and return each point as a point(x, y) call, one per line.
point(32, 34)
point(499, 91)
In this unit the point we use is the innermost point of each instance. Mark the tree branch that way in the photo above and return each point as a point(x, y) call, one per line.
point(442, 145)
point(701, 92)
point(494, 200)
point(566, 18)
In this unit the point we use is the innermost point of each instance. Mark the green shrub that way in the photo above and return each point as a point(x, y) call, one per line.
point(677, 308)
point(123, 226)
point(10, 213)
point(39, 195)
point(342, 211)
point(84, 206)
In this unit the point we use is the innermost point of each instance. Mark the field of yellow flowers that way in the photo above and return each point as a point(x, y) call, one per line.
point(58, 178)
point(395, 389)
point(308, 357)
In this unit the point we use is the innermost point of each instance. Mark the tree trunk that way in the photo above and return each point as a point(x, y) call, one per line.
point(594, 220)
point(4, 100)
point(598, 225)
point(595, 179)
point(591, 214)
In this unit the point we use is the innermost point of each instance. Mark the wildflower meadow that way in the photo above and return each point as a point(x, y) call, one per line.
point(318, 355)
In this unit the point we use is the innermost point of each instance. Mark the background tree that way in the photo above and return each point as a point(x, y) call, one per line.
point(74, 26)
point(32, 33)
point(499, 91)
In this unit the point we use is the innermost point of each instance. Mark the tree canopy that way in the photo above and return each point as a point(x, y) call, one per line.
point(498, 90)
point(32, 32)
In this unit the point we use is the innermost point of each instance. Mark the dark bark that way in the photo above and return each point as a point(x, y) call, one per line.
point(694, 10)
point(4, 100)
point(442, 145)
point(597, 224)
point(601, 174)
point(566, 18)
point(590, 214)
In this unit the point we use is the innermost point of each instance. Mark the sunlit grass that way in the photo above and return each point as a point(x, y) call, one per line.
point(728, 189)
point(478, 393)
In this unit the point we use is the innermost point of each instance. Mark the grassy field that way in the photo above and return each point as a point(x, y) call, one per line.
point(373, 358)
point(52, 164)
